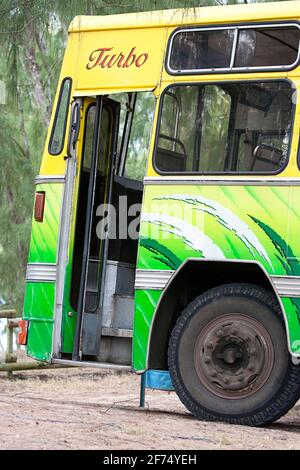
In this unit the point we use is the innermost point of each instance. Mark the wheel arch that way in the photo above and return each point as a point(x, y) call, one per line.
point(183, 287)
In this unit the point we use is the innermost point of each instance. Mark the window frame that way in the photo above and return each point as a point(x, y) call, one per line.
point(88, 109)
point(56, 118)
point(221, 173)
point(231, 69)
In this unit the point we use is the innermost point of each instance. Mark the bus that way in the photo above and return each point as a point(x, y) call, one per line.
point(165, 233)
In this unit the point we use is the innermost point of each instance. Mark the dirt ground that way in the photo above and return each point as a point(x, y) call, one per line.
point(92, 409)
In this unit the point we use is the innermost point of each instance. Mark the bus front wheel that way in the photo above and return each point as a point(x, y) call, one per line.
point(228, 357)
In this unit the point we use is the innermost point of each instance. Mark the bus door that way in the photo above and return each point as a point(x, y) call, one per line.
point(90, 247)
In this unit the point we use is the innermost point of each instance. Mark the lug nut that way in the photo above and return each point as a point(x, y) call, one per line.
point(220, 333)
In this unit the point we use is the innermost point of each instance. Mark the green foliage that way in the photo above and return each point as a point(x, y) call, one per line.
point(32, 42)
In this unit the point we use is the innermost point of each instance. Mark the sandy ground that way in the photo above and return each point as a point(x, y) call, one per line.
point(92, 409)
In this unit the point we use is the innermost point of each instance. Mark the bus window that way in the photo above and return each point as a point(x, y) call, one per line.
point(267, 47)
point(138, 146)
point(176, 141)
point(57, 138)
point(215, 124)
point(234, 127)
point(124, 100)
point(235, 47)
point(206, 49)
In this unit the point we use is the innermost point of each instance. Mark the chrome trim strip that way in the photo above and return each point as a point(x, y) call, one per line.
point(287, 286)
point(152, 279)
point(46, 179)
point(228, 182)
point(234, 48)
point(41, 272)
point(63, 243)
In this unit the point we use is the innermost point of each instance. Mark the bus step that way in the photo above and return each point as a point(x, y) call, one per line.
point(118, 332)
point(98, 365)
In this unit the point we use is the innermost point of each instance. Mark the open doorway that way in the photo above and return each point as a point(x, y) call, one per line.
point(113, 165)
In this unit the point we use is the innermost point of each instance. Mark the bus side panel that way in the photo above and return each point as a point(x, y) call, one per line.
point(145, 304)
point(39, 303)
point(217, 222)
point(39, 307)
point(293, 245)
point(44, 235)
point(291, 307)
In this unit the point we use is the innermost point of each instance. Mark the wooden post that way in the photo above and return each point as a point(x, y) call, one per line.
point(10, 365)
point(10, 344)
point(8, 314)
point(19, 366)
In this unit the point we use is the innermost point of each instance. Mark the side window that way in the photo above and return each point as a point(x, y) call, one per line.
point(206, 49)
point(177, 134)
point(138, 147)
point(218, 128)
point(215, 119)
point(267, 47)
point(233, 48)
point(58, 133)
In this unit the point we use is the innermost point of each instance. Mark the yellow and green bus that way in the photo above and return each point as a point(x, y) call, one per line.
point(166, 226)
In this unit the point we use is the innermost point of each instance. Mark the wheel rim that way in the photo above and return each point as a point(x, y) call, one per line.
point(234, 356)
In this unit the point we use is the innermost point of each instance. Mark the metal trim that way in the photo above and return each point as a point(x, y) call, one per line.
point(46, 179)
point(287, 286)
point(152, 279)
point(41, 272)
point(63, 246)
point(150, 181)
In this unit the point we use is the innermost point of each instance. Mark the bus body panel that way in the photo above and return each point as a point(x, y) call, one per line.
point(209, 222)
point(125, 60)
point(41, 273)
point(230, 222)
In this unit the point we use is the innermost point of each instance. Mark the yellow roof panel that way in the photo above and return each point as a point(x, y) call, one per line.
point(204, 15)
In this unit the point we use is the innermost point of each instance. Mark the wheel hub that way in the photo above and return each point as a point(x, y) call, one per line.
point(233, 356)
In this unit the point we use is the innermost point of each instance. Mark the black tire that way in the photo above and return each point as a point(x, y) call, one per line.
point(228, 357)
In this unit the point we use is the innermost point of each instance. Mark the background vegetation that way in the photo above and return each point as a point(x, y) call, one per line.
point(32, 42)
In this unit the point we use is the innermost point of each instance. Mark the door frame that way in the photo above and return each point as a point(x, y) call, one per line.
point(101, 103)
point(64, 237)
